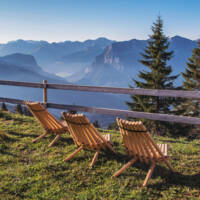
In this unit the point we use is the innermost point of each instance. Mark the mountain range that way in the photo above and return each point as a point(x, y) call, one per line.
point(119, 63)
point(100, 62)
point(23, 67)
point(62, 58)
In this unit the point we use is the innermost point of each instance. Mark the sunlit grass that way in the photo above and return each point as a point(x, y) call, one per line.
point(35, 171)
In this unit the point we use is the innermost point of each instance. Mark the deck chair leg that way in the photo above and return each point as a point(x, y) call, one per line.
point(73, 154)
point(128, 164)
point(39, 137)
point(94, 158)
point(149, 174)
point(54, 140)
point(169, 165)
point(110, 147)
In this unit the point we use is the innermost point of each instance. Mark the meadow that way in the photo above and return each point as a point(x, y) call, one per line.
point(35, 171)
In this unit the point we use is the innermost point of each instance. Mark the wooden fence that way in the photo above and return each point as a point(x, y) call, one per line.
point(114, 90)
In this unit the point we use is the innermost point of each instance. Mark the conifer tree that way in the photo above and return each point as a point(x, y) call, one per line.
point(113, 126)
point(192, 82)
point(157, 76)
point(96, 124)
point(27, 112)
point(19, 109)
point(3, 107)
point(190, 107)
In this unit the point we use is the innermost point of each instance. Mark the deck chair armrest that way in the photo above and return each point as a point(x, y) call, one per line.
point(107, 137)
point(164, 149)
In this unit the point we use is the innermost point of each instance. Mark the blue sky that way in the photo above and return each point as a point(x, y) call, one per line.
point(60, 20)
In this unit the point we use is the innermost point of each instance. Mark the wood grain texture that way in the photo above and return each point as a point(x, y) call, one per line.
point(21, 84)
point(114, 90)
point(126, 113)
point(130, 91)
point(115, 112)
point(45, 91)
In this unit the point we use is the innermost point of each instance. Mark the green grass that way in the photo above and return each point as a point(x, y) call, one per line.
point(35, 171)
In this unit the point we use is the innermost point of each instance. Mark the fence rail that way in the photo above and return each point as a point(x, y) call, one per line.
point(114, 90)
point(107, 111)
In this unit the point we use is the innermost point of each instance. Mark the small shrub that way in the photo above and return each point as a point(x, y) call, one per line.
point(19, 109)
point(96, 124)
point(27, 112)
point(3, 107)
point(113, 126)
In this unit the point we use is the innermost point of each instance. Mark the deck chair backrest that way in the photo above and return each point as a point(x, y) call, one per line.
point(138, 141)
point(83, 132)
point(48, 121)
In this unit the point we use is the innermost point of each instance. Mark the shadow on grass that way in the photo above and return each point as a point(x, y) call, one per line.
point(63, 141)
point(5, 138)
point(173, 141)
point(176, 178)
point(177, 141)
point(171, 178)
point(7, 153)
point(78, 159)
point(21, 135)
point(22, 120)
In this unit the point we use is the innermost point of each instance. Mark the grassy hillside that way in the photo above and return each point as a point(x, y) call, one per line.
point(34, 171)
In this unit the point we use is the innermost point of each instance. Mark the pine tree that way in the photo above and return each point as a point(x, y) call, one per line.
point(190, 107)
point(3, 107)
point(27, 112)
point(157, 76)
point(113, 126)
point(72, 111)
point(192, 82)
point(19, 109)
point(96, 124)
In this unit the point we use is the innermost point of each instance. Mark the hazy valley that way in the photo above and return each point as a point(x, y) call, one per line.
point(99, 62)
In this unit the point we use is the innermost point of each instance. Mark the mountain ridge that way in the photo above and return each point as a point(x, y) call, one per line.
point(88, 62)
point(121, 60)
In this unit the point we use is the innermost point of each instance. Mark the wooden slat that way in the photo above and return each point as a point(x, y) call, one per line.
point(13, 101)
point(21, 84)
point(126, 113)
point(107, 137)
point(94, 158)
point(128, 164)
point(57, 125)
point(117, 112)
point(131, 91)
point(77, 131)
point(38, 118)
point(45, 91)
point(126, 140)
point(164, 149)
point(89, 132)
point(145, 145)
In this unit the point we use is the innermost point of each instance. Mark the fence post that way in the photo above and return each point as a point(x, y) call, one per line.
point(45, 92)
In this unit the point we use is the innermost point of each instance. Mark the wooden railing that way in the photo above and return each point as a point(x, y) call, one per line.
point(107, 111)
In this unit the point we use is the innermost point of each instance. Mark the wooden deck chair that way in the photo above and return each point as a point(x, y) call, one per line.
point(48, 121)
point(85, 135)
point(140, 146)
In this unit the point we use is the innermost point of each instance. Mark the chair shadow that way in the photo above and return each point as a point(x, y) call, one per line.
point(8, 139)
point(62, 141)
point(7, 153)
point(171, 178)
point(177, 141)
point(22, 135)
point(175, 178)
point(172, 141)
